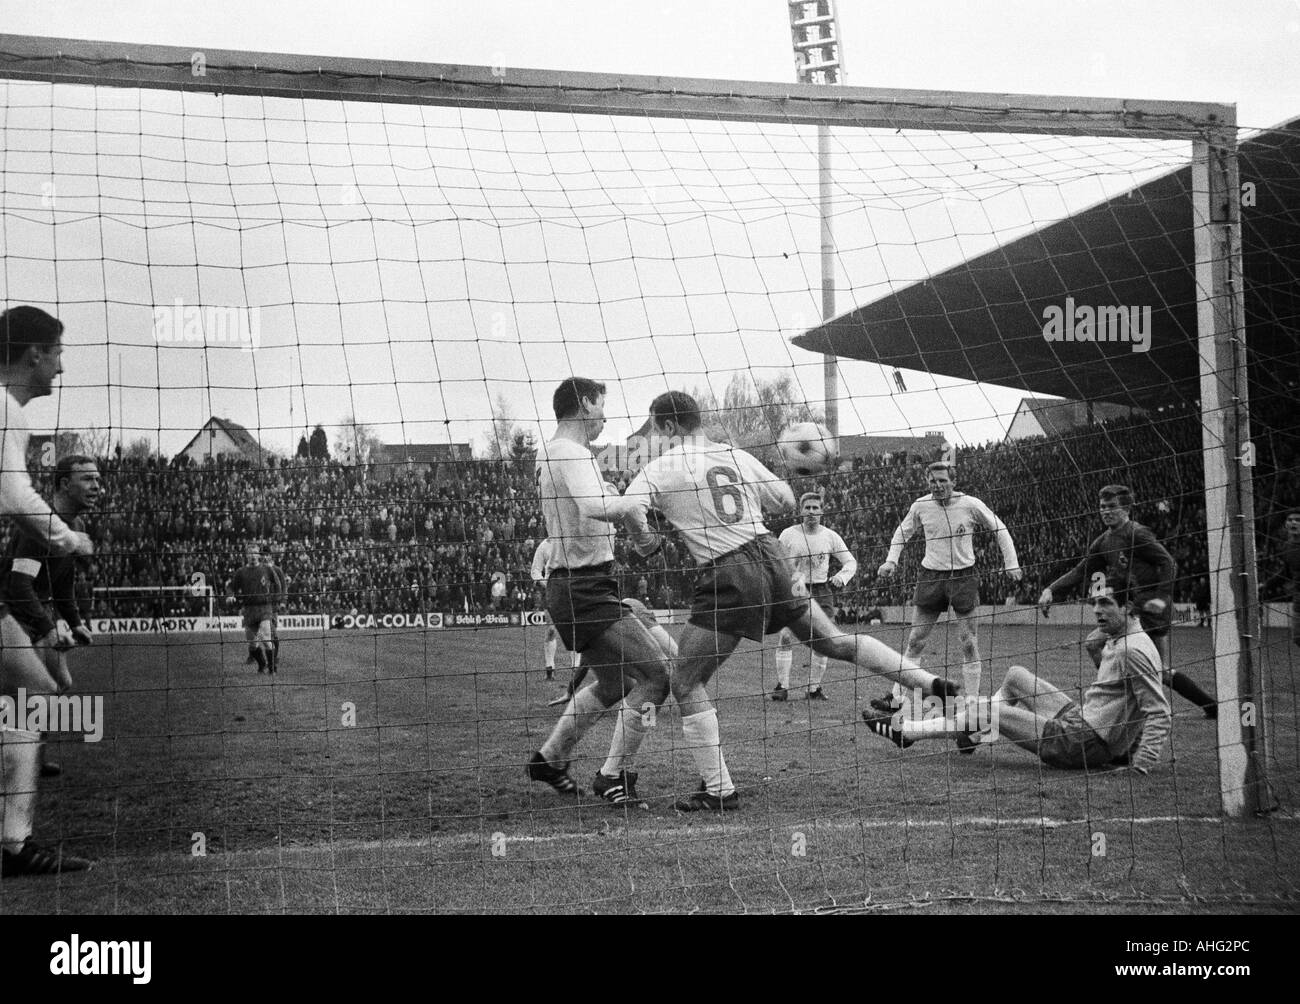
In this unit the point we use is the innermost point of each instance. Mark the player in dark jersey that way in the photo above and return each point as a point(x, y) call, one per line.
point(1288, 573)
point(255, 587)
point(278, 601)
point(39, 586)
point(1129, 552)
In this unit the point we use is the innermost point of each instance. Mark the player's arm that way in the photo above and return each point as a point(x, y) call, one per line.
point(540, 557)
point(848, 563)
point(1147, 547)
point(999, 529)
point(21, 503)
point(62, 572)
point(904, 532)
point(638, 499)
point(23, 600)
point(1093, 561)
point(594, 498)
point(1153, 706)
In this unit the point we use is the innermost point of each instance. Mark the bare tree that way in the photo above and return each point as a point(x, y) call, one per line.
point(752, 413)
point(140, 448)
point(357, 443)
point(507, 439)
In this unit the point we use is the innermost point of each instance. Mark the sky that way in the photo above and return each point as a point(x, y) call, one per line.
point(410, 265)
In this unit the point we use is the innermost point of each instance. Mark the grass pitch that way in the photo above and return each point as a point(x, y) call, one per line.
point(384, 773)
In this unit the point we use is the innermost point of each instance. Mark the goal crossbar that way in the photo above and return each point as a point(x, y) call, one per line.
point(229, 71)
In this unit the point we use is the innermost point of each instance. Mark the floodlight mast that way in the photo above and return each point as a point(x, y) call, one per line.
point(815, 36)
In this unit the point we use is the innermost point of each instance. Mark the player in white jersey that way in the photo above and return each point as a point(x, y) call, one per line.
point(31, 346)
point(583, 600)
point(949, 519)
point(715, 496)
point(811, 546)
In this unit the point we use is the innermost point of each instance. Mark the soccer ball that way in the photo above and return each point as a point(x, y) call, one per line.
point(808, 448)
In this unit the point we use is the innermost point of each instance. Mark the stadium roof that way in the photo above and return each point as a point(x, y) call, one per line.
point(983, 319)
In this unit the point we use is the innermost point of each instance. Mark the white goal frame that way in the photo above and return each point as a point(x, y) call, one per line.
point(1209, 127)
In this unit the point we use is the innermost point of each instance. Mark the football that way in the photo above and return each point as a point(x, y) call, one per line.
point(808, 448)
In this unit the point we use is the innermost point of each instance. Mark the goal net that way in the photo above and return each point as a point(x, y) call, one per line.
point(321, 307)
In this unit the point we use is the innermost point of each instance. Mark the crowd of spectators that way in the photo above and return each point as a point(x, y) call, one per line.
point(461, 536)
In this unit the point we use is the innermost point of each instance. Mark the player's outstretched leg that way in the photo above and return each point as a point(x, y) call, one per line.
point(699, 654)
point(784, 660)
point(815, 628)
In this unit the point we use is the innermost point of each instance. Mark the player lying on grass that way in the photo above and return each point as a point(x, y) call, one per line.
point(38, 585)
point(715, 496)
point(810, 546)
point(31, 349)
point(583, 600)
point(1130, 553)
point(1124, 718)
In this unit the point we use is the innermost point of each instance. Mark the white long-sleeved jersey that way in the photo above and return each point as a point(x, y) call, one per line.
point(812, 551)
point(949, 530)
point(712, 493)
point(19, 500)
point(543, 561)
point(577, 504)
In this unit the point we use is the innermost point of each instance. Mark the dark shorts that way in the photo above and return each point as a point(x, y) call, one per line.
point(1295, 620)
point(583, 603)
point(1156, 625)
point(1069, 743)
point(825, 597)
point(935, 591)
point(747, 592)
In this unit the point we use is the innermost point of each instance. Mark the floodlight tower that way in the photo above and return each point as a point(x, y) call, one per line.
point(817, 61)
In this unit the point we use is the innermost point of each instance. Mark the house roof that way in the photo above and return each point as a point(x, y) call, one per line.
point(244, 440)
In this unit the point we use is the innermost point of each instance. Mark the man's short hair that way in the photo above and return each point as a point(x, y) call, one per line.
point(679, 405)
point(23, 327)
point(940, 465)
point(1293, 512)
point(568, 397)
point(810, 495)
point(1119, 494)
point(63, 469)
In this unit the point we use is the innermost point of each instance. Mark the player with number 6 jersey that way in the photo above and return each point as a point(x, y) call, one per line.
point(715, 496)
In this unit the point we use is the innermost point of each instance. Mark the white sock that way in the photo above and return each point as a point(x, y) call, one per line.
point(784, 659)
point(629, 731)
point(701, 734)
point(582, 712)
point(816, 670)
point(549, 649)
point(970, 678)
point(577, 659)
point(18, 775)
